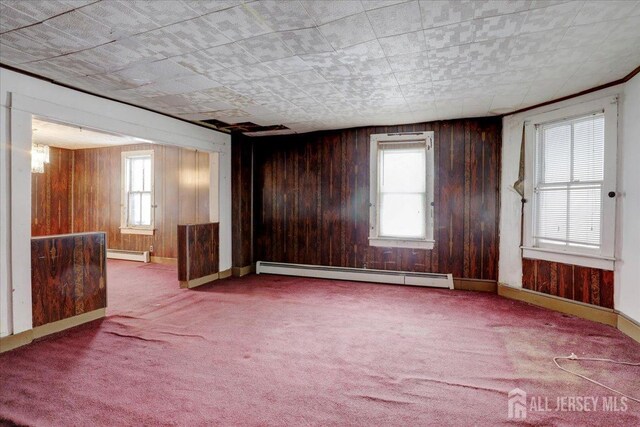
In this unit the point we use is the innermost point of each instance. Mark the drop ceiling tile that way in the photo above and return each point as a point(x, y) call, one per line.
point(498, 26)
point(437, 13)
point(74, 65)
point(282, 15)
point(198, 82)
point(116, 55)
point(497, 50)
point(253, 72)
point(163, 12)
point(415, 76)
point(42, 41)
point(305, 41)
point(487, 8)
point(322, 91)
point(404, 43)
point(348, 31)
point(450, 35)
point(206, 7)
point(361, 52)
point(327, 11)
point(122, 20)
point(397, 19)
point(11, 56)
point(624, 30)
point(267, 47)
point(409, 62)
point(41, 10)
point(231, 55)
point(10, 18)
point(82, 26)
point(376, 4)
point(542, 41)
point(178, 39)
point(335, 72)
point(586, 35)
point(305, 78)
point(374, 67)
point(548, 18)
point(598, 11)
point(200, 61)
point(224, 76)
point(288, 65)
point(153, 71)
point(324, 59)
point(238, 23)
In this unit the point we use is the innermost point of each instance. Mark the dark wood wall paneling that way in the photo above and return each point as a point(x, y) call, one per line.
point(311, 200)
point(51, 195)
point(241, 200)
point(181, 188)
point(197, 250)
point(68, 276)
point(584, 284)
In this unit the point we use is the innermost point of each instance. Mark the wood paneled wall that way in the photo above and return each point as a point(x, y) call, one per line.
point(68, 276)
point(241, 200)
point(51, 195)
point(181, 188)
point(588, 285)
point(311, 200)
point(197, 251)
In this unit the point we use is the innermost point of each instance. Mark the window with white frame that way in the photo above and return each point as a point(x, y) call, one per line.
point(401, 193)
point(572, 193)
point(137, 192)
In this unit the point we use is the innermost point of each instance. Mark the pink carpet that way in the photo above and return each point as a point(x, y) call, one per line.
point(272, 350)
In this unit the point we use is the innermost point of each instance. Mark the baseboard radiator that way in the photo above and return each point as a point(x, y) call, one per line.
point(142, 256)
point(435, 280)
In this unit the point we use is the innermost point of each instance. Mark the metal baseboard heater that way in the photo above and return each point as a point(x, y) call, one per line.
point(434, 280)
point(142, 256)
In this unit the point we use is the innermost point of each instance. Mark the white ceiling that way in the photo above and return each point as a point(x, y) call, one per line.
point(75, 137)
point(324, 64)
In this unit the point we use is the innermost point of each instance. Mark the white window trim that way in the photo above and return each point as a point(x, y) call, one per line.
point(124, 227)
point(605, 259)
point(390, 242)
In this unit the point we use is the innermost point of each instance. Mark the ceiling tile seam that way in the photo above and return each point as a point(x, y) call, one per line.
point(47, 19)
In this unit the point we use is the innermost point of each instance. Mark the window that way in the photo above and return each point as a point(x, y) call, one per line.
point(137, 192)
point(402, 190)
point(573, 172)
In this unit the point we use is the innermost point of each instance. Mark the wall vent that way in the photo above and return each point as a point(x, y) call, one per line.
point(435, 280)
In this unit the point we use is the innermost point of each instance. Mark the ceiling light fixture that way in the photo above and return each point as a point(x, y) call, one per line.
point(39, 156)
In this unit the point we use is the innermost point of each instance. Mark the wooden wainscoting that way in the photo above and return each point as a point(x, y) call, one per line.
point(197, 254)
point(68, 276)
point(583, 284)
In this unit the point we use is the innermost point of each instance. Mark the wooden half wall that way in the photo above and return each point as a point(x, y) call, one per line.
point(198, 256)
point(311, 199)
point(68, 276)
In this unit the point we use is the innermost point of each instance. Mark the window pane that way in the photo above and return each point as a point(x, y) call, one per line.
point(556, 154)
point(134, 208)
point(588, 149)
point(402, 170)
point(145, 209)
point(147, 173)
point(584, 215)
point(552, 214)
point(402, 215)
point(137, 170)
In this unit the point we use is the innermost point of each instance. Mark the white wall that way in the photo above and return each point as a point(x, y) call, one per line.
point(20, 98)
point(627, 273)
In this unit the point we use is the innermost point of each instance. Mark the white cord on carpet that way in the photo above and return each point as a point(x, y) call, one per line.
point(574, 357)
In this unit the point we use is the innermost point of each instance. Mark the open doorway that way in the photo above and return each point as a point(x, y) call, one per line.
point(134, 191)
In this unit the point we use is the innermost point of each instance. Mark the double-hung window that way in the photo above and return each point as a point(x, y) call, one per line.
point(401, 193)
point(572, 189)
point(137, 192)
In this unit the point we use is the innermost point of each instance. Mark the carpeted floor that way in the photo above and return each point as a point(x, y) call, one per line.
point(271, 350)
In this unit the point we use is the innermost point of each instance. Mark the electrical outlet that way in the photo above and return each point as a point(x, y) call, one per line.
point(151, 248)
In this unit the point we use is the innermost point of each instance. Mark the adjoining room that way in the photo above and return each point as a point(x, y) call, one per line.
point(304, 212)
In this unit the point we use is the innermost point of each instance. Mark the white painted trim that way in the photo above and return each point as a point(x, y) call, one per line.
point(124, 227)
point(385, 242)
point(436, 280)
point(374, 218)
point(225, 210)
point(214, 187)
point(573, 258)
point(605, 255)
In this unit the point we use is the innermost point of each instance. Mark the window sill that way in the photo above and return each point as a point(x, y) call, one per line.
point(573, 258)
point(386, 242)
point(143, 231)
